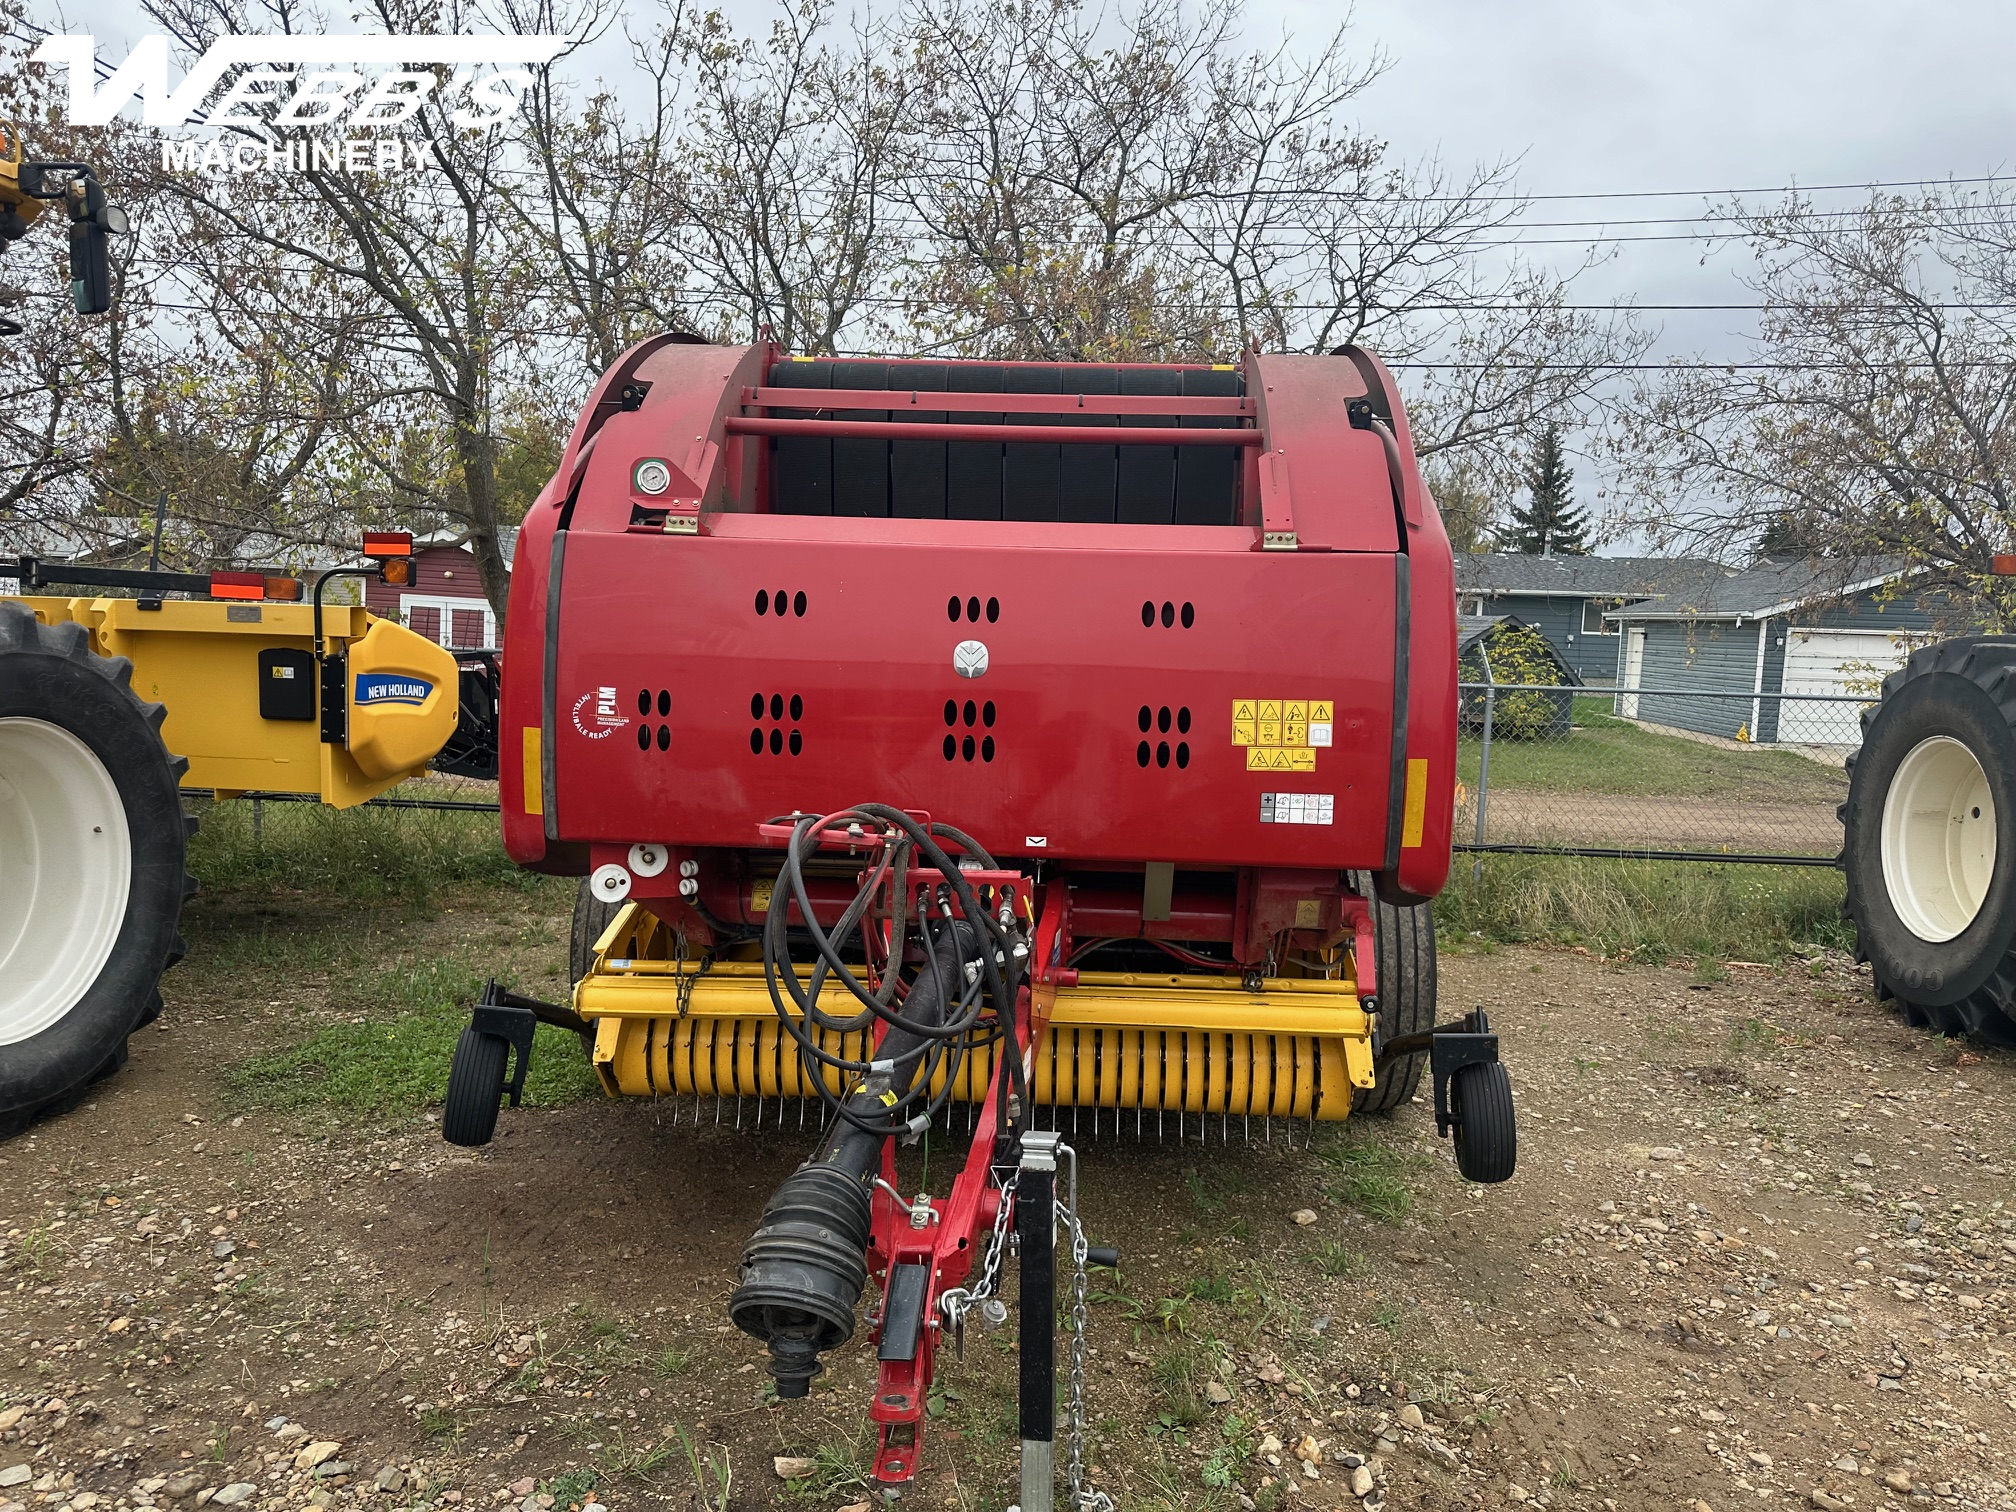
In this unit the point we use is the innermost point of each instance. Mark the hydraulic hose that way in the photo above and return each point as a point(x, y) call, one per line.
point(804, 1269)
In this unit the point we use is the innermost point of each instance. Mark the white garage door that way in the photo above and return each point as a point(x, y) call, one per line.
point(1849, 663)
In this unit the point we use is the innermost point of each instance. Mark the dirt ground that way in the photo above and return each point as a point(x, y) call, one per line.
point(1676, 821)
point(1761, 1249)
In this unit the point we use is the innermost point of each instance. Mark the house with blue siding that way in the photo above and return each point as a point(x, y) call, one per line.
point(1569, 599)
point(1824, 632)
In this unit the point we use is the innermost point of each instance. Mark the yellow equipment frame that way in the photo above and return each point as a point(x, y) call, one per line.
point(1296, 1048)
point(198, 658)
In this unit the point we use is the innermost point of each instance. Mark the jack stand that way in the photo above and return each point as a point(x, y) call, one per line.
point(1036, 1239)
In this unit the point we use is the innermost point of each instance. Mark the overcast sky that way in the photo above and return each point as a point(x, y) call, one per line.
point(1623, 95)
point(1616, 96)
point(1712, 94)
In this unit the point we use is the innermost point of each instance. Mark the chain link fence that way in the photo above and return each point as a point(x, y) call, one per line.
point(1674, 772)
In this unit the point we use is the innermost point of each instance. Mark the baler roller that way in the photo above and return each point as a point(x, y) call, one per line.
point(1120, 1040)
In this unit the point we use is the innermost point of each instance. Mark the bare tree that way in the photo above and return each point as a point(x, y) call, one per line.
point(1132, 184)
point(1875, 415)
point(788, 152)
point(427, 256)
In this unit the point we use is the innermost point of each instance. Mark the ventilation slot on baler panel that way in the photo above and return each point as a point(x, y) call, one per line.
point(1157, 726)
point(776, 716)
point(999, 478)
point(967, 726)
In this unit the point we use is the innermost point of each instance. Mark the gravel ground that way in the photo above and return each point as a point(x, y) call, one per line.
point(1760, 1251)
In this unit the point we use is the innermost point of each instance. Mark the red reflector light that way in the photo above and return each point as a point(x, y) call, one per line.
point(2002, 566)
point(388, 543)
point(237, 585)
point(284, 588)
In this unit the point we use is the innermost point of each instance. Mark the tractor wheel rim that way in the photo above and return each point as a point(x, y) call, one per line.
point(66, 866)
point(1938, 839)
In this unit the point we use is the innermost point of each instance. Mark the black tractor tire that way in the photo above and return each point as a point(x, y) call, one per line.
point(76, 740)
point(475, 1089)
point(1404, 968)
point(591, 916)
point(1959, 691)
point(1486, 1135)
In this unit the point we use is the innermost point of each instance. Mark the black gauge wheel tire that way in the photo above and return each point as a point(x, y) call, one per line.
point(475, 1089)
point(1486, 1134)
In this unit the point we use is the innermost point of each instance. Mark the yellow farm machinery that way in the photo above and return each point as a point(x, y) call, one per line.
point(111, 709)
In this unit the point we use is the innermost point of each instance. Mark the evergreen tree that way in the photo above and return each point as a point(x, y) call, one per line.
point(1548, 524)
point(1787, 534)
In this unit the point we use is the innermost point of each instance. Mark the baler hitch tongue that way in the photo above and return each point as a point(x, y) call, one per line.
point(1473, 1095)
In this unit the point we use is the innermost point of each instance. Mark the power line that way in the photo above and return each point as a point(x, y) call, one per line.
point(892, 301)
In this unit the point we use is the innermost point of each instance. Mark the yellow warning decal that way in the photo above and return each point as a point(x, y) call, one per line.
point(760, 893)
point(888, 1099)
point(535, 787)
point(1415, 816)
point(1295, 728)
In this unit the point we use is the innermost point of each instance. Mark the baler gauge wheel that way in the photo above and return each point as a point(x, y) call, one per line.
point(475, 1089)
point(1486, 1134)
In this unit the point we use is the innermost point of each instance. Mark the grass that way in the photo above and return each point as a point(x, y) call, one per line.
point(1341, 1261)
point(359, 854)
point(839, 1466)
point(395, 1058)
point(1604, 754)
point(1372, 1177)
point(1652, 911)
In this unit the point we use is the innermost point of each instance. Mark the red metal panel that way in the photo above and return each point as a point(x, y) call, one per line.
point(925, 430)
point(863, 679)
point(1333, 477)
point(939, 401)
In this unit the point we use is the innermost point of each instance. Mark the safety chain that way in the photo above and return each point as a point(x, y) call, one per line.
point(961, 1300)
point(684, 981)
point(1082, 1498)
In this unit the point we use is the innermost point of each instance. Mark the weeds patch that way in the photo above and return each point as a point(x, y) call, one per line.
point(394, 1056)
point(1372, 1177)
point(357, 854)
point(1650, 911)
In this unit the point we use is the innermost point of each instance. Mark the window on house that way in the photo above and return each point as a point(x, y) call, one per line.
point(1593, 622)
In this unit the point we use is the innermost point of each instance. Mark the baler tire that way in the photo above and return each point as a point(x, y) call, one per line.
point(1486, 1134)
point(85, 932)
point(475, 1089)
point(1956, 697)
point(591, 917)
point(1404, 944)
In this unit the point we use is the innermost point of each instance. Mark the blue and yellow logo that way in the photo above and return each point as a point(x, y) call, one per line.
point(391, 688)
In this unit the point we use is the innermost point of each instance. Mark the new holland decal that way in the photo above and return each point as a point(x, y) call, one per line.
point(391, 688)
